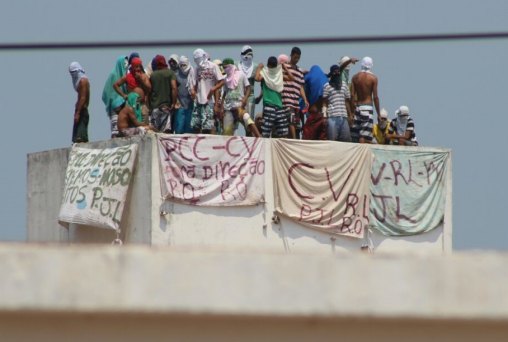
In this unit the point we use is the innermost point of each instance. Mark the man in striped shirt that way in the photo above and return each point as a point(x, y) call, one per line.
point(293, 90)
point(402, 129)
point(337, 98)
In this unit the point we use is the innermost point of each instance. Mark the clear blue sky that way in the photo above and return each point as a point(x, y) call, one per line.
point(454, 89)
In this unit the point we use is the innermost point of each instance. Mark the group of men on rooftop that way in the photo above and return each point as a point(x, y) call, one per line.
point(217, 97)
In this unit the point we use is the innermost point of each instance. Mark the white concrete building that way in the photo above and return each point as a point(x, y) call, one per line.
point(234, 274)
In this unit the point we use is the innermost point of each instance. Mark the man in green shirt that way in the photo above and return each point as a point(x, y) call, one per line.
point(163, 95)
point(274, 114)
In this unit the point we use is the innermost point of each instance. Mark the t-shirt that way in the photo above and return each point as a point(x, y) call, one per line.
point(291, 93)
point(183, 90)
point(233, 97)
point(161, 87)
point(206, 78)
point(336, 99)
point(379, 135)
point(409, 127)
point(270, 96)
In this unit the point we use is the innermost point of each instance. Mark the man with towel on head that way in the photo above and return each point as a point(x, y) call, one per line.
point(246, 65)
point(207, 82)
point(236, 93)
point(364, 90)
point(82, 87)
point(272, 84)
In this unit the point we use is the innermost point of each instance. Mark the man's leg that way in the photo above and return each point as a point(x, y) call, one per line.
point(268, 121)
point(331, 129)
point(281, 123)
point(344, 133)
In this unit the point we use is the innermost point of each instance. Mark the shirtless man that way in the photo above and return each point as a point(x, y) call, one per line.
point(82, 87)
point(364, 92)
point(128, 123)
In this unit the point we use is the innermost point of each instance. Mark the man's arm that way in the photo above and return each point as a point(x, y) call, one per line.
point(288, 76)
point(375, 97)
point(83, 92)
point(174, 93)
point(304, 96)
point(117, 86)
point(246, 96)
point(258, 77)
point(350, 107)
point(353, 90)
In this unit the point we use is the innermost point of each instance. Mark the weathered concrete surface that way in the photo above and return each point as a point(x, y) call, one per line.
point(251, 282)
point(133, 293)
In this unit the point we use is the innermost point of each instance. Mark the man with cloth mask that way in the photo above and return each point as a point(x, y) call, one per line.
point(402, 129)
point(236, 93)
point(246, 66)
point(274, 113)
point(380, 130)
point(207, 81)
point(364, 90)
point(82, 87)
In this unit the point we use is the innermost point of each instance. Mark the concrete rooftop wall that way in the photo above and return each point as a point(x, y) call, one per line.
point(149, 220)
point(133, 293)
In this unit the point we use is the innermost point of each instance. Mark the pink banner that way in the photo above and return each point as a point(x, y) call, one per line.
point(211, 170)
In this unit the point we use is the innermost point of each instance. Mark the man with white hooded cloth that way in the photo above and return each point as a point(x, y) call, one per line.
point(82, 87)
point(207, 81)
point(402, 128)
point(246, 66)
point(364, 91)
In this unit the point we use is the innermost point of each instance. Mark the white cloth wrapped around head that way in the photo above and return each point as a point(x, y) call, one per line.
point(367, 64)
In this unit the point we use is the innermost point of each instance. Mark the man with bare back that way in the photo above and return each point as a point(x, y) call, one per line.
point(364, 92)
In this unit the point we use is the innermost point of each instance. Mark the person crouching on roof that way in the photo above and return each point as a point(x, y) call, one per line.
point(130, 118)
point(402, 128)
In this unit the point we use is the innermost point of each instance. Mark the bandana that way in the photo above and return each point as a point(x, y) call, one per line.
point(131, 81)
point(283, 59)
point(246, 65)
point(232, 76)
point(77, 73)
point(135, 62)
point(200, 58)
point(367, 64)
point(132, 56)
point(273, 78)
point(160, 62)
point(184, 65)
point(402, 120)
point(336, 81)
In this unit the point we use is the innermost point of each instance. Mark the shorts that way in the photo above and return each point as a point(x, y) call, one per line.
point(160, 119)
point(274, 118)
point(132, 131)
point(363, 123)
point(202, 117)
